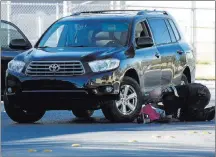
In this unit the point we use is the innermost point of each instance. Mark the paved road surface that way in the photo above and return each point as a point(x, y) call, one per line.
point(58, 130)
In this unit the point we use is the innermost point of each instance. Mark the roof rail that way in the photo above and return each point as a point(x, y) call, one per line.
point(102, 11)
point(139, 12)
point(143, 12)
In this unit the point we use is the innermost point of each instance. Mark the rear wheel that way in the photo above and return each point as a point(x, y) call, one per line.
point(22, 116)
point(81, 113)
point(184, 80)
point(128, 107)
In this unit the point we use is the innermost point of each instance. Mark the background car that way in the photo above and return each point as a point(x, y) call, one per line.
point(10, 33)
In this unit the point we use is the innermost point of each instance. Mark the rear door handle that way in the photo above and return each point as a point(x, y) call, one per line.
point(180, 52)
point(157, 55)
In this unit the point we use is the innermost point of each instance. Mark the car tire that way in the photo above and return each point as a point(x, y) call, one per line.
point(184, 80)
point(80, 113)
point(22, 116)
point(115, 112)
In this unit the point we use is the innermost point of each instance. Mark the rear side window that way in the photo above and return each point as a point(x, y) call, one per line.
point(160, 31)
point(174, 30)
point(170, 32)
point(8, 33)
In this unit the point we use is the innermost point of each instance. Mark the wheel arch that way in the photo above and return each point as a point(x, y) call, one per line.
point(187, 73)
point(133, 74)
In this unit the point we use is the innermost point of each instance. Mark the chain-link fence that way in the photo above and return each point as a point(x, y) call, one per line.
point(34, 18)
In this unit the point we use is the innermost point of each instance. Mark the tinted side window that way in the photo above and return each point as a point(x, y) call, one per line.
point(170, 32)
point(160, 31)
point(138, 30)
point(8, 33)
point(175, 30)
point(141, 31)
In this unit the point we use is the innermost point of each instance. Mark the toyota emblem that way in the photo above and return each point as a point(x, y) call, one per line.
point(54, 67)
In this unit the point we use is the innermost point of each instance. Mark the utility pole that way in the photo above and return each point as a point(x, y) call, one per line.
point(65, 8)
point(194, 25)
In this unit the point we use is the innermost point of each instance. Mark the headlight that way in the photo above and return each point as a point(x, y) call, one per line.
point(104, 65)
point(16, 66)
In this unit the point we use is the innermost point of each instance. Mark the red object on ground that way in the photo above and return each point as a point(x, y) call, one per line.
point(147, 109)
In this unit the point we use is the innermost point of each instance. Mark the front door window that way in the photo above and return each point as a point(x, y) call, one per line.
point(8, 33)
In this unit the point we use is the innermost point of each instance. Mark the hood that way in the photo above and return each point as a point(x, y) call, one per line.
point(78, 53)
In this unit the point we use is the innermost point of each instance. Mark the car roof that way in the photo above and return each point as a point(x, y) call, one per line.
point(99, 17)
point(115, 14)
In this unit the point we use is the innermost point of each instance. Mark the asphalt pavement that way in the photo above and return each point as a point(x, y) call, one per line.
point(60, 134)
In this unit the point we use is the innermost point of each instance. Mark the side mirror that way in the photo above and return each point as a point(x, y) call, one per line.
point(19, 44)
point(145, 42)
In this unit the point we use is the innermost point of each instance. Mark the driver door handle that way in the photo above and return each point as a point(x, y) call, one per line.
point(157, 55)
point(180, 52)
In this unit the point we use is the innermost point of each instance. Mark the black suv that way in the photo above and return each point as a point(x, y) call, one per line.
point(109, 60)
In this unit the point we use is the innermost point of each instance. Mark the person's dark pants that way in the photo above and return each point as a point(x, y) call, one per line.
point(192, 100)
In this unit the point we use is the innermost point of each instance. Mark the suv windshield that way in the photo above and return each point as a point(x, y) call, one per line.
point(86, 33)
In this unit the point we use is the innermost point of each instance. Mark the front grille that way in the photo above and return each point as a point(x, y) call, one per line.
point(47, 68)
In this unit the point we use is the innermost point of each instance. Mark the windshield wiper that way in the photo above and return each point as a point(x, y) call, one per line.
point(42, 47)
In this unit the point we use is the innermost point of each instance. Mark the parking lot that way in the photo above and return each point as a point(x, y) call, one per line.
point(60, 134)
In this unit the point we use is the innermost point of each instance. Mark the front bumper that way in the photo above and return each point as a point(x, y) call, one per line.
point(62, 92)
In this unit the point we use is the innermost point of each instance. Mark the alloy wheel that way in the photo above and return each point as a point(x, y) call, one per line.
point(128, 100)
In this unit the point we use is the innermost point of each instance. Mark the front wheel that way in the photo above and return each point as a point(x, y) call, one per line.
point(128, 107)
point(184, 80)
point(22, 116)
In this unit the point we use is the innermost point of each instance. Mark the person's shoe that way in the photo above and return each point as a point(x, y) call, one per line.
point(209, 113)
point(201, 115)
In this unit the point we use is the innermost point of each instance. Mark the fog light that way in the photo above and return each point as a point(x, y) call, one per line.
point(116, 88)
point(109, 89)
point(11, 83)
point(9, 90)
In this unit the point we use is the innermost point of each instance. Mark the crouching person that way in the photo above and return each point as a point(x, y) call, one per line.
point(188, 102)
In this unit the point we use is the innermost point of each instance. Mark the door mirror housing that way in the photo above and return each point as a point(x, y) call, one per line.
point(145, 42)
point(19, 44)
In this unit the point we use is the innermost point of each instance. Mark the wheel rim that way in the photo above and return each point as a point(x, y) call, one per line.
point(128, 100)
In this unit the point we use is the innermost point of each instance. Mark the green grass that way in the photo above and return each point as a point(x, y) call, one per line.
point(208, 78)
point(203, 62)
